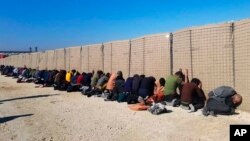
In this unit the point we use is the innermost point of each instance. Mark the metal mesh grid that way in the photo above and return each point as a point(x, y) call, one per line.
point(75, 58)
point(50, 59)
point(18, 60)
point(95, 57)
point(157, 55)
point(217, 54)
point(2, 61)
point(34, 60)
point(22, 58)
point(42, 61)
point(120, 57)
point(242, 62)
point(11, 60)
point(60, 59)
point(181, 50)
point(137, 56)
point(67, 59)
point(27, 60)
point(5, 61)
point(21, 62)
point(212, 55)
point(107, 50)
point(85, 59)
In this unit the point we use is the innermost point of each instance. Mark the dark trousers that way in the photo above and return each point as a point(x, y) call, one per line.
point(198, 105)
point(218, 107)
point(171, 97)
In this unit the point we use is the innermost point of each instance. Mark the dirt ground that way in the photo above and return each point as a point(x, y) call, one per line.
point(42, 114)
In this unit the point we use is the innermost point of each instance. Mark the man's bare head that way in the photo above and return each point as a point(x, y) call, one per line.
point(237, 99)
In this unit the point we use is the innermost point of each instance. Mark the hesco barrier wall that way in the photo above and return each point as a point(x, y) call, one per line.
point(212, 52)
point(85, 59)
point(207, 52)
point(34, 60)
point(137, 56)
point(181, 50)
point(27, 60)
point(217, 54)
point(50, 59)
point(60, 59)
point(107, 57)
point(42, 63)
point(242, 61)
point(157, 55)
point(2, 61)
point(67, 58)
point(75, 58)
point(120, 57)
point(95, 59)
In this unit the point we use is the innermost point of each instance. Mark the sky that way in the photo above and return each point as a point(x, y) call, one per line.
point(52, 24)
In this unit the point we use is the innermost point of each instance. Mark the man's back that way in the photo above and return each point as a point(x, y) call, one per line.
point(171, 85)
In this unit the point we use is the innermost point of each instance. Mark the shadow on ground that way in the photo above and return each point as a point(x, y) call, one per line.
point(28, 97)
point(6, 119)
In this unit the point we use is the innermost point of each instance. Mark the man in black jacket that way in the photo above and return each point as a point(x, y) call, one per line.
point(146, 89)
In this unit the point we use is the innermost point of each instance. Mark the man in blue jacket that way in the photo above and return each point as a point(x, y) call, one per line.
point(222, 100)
